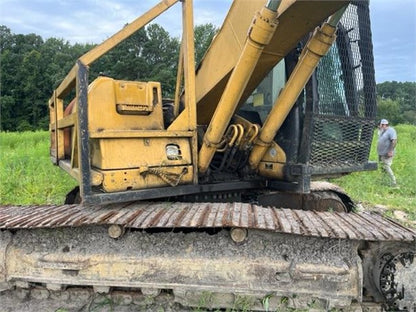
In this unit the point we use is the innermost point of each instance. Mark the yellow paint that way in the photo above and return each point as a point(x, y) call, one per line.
point(316, 47)
point(145, 177)
point(296, 18)
point(106, 96)
point(261, 31)
point(134, 109)
point(128, 138)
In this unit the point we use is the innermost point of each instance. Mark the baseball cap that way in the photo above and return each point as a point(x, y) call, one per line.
point(384, 122)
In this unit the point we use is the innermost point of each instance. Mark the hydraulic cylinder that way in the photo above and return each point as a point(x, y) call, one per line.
point(260, 33)
point(314, 50)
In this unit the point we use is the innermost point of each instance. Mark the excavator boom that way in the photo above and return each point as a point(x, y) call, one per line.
point(296, 18)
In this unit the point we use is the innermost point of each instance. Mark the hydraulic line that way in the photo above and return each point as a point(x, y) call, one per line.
point(315, 49)
point(261, 31)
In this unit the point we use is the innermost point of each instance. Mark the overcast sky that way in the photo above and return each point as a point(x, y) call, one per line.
point(92, 21)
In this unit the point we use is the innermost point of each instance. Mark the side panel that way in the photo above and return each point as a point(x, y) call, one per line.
point(128, 153)
point(111, 103)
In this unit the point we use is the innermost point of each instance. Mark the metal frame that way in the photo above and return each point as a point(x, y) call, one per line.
point(79, 166)
point(169, 191)
point(82, 130)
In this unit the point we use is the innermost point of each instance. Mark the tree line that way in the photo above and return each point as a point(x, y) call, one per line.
point(396, 101)
point(31, 68)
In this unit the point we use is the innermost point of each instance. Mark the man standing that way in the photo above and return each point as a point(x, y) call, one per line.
point(387, 140)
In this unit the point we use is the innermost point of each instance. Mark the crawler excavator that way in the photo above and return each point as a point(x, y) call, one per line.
point(215, 194)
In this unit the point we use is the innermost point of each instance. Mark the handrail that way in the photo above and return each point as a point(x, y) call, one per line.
point(88, 58)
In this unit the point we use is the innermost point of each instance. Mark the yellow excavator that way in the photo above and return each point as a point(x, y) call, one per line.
point(214, 195)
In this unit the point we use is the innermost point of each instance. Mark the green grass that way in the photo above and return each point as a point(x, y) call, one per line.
point(27, 175)
point(371, 187)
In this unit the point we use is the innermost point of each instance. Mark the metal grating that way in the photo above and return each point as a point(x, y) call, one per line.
point(165, 215)
point(340, 142)
point(345, 106)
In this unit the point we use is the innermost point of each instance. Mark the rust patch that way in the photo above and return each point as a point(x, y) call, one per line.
point(142, 215)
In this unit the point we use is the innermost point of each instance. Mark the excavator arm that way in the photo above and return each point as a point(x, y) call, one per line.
point(296, 19)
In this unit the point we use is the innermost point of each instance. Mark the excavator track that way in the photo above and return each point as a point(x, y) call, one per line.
point(168, 215)
point(212, 253)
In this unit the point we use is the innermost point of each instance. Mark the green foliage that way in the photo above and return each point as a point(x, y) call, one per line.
point(205, 300)
point(372, 187)
point(101, 303)
point(30, 70)
point(7, 105)
point(388, 108)
point(203, 37)
point(27, 175)
point(243, 303)
point(397, 102)
point(266, 301)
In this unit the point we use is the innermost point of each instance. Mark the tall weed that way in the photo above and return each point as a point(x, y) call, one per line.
point(27, 175)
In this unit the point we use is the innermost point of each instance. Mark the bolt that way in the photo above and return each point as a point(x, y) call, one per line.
point(115, 231)
point(238, 235)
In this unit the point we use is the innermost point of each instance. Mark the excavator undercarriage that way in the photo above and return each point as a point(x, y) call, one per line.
point(219, 252)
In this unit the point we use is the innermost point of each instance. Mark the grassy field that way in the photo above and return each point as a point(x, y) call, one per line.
point(27, 175)
point(371, 188)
